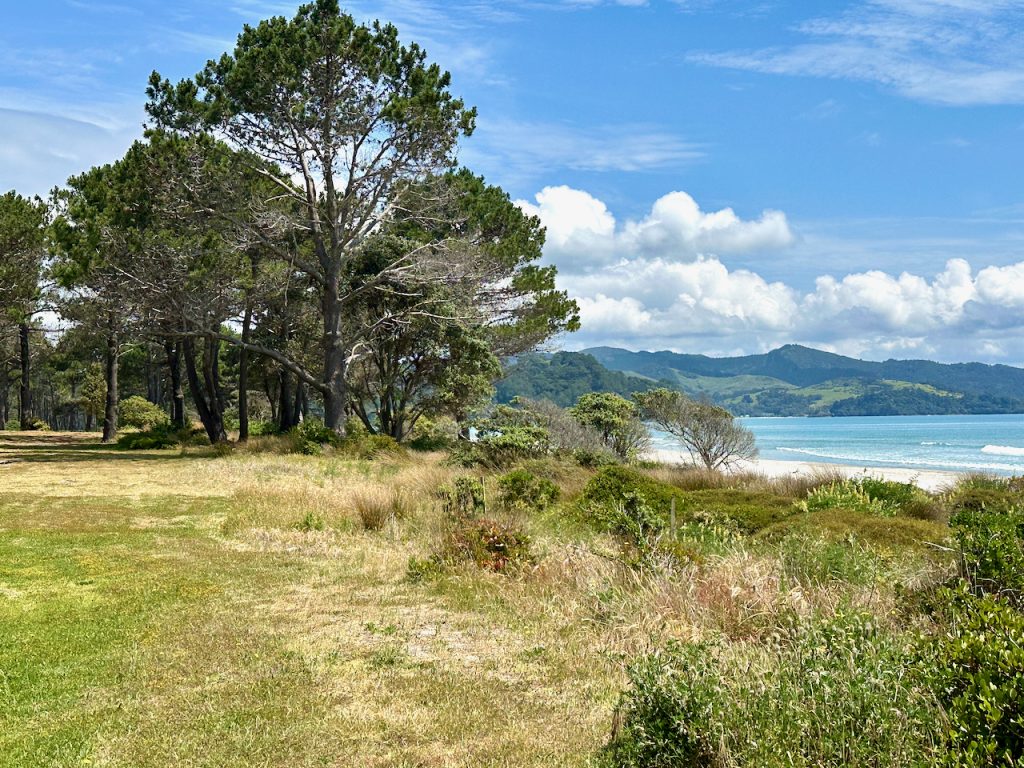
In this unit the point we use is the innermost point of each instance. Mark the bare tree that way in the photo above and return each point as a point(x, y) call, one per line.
point(706, 431)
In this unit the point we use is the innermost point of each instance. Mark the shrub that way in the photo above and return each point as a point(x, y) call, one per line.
point(823, 693)
point(849, 494)
point(974, 493)
point(138, 412)
point(158, 437)
point(614, 484)
point(976, 667)
point(521, 488)
point(37, 425)
point(991, 545)
point(492, 545)
point(513, 444)
point(430, 435)
point(464, 498)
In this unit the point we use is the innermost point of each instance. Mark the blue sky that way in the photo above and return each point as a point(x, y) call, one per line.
point(870, 152)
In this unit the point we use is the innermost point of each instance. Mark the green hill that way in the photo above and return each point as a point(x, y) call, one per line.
point(789, 381)
point(563, 377)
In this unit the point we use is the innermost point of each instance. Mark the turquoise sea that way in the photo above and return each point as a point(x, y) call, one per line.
point(993, 444)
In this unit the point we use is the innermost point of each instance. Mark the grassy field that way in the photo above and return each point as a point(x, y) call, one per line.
point(179, 607)
point(158, 609)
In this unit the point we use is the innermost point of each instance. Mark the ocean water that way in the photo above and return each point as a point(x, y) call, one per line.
point(993, 444)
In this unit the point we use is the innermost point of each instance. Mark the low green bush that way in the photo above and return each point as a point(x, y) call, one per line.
point(367, 446)
point(521, 488)
point(139, 413)
point(613, 485)
point(823, 693)
point(464, 498)
point(751, 510)
point(976, 668)
point(156, 438)
point(991, 545)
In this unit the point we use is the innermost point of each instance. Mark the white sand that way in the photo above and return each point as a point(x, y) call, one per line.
point(929, 480)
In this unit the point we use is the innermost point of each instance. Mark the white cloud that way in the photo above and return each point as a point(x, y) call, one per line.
point(581, 227)
point(954, 52)
point(661, 282)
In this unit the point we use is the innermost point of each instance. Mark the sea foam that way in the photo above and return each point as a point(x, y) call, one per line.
point(1003, 450)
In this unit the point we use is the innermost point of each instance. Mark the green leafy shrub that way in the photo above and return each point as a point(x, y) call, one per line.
point(614, 484)
point(263, 427)
point(521, 488)
point(420, 569)
point(139, 413)
point(512, 445)
point(158, 437)
point(991, 545)
point(464, 498)
point(977, 492)
point(36, 425)
point(976, 667)
point(431, 435)
point(823, 693)
point(491, 544)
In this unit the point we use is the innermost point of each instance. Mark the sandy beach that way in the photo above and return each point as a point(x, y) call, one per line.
point(929, 480)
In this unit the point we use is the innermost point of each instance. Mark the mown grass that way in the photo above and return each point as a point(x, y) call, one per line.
point(178, 608)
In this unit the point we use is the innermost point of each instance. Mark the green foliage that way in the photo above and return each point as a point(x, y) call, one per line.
point(512, 444)
point(613, 486)
point(138, 412)
point(490, 544)
point(521, 488)
point(811, 561)
point(891, 533)
point(991, 544)
point(464, 498)
point(310, 522)
point(863, 494)
point(434, 434)
point(976, 668)
point(616, 419)
point(563, 378)
point(161, 436)
point(821, 694)
point(367, 446)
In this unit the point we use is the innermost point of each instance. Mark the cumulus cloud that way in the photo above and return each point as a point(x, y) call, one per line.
point(581, 226)
point(662, 281)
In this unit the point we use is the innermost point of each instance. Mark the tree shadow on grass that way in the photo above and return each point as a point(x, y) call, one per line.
point(58, 447)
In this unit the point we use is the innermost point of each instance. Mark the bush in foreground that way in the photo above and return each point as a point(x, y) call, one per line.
point(825, 693)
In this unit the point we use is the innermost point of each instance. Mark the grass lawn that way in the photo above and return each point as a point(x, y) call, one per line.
point(159, 609)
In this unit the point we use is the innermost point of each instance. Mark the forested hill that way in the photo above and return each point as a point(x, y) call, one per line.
point(789, 381)
point(563, 377)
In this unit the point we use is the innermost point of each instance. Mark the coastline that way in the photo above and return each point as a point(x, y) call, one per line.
point(931, 480)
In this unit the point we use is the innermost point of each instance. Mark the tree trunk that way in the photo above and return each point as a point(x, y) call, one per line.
point(110, 372)
point(25, 394)
point(243, 377)
point(335, 359)
point(4, 386)
point(297, 410)
point(203, 395)
point(284, 408)
point(173, 350)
